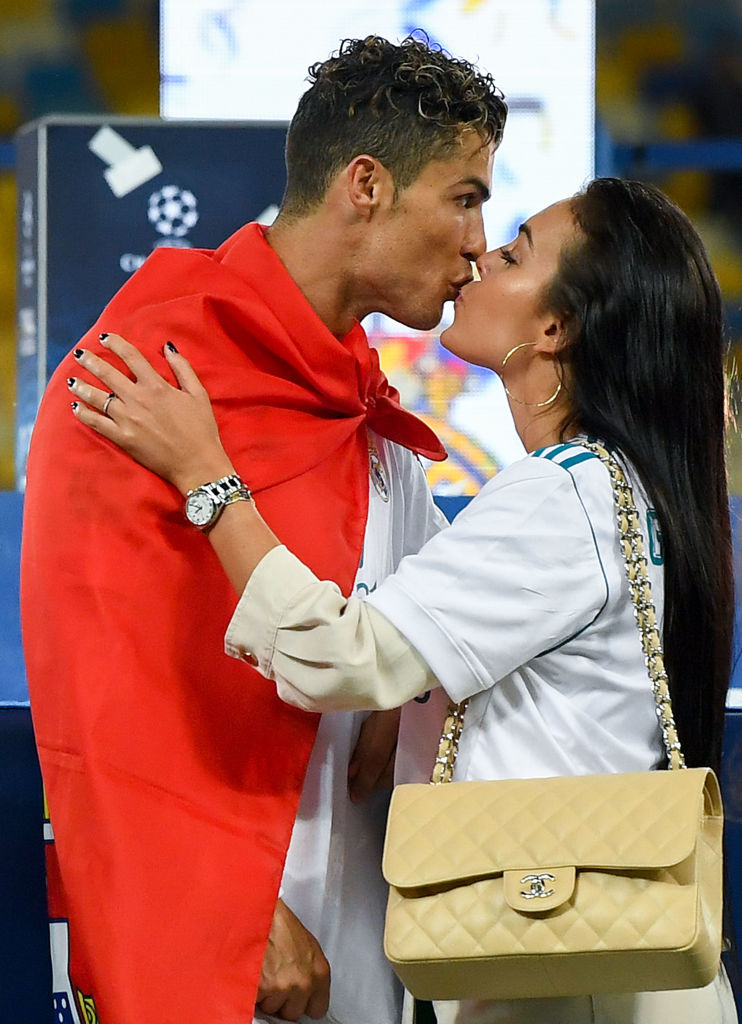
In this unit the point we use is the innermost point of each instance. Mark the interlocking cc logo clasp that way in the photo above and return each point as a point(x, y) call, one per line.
point(538, 888)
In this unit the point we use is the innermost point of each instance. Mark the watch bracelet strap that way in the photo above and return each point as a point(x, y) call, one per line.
point(635, 565)
point(242, 494)
point(221, 490)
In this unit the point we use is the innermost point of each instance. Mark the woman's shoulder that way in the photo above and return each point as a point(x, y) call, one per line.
point(558, 491)
point(566, 454)
point(557, 466)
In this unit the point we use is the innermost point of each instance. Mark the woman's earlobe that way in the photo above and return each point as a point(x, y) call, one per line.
point(552, 338)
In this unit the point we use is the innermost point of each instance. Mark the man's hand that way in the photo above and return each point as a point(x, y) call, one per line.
point(372, 764)
point(295, 979)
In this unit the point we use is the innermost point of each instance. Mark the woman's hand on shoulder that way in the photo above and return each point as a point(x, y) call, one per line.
point(169, 430)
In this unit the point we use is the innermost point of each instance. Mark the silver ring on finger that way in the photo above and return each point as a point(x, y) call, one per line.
point(108, 401)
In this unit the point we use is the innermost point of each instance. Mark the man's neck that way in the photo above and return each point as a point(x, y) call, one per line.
point(317, 259)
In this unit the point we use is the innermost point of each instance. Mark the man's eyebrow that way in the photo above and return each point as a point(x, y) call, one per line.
point(527, 232)
point(479, 185)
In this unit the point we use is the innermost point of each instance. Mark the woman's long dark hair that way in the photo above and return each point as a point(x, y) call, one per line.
point(644, 362)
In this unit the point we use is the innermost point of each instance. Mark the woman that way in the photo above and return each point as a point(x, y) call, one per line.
point(603, 318)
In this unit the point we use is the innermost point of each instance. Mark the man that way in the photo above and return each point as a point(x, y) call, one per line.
point(175, 783)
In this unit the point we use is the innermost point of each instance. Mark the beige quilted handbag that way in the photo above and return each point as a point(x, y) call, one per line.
point(562, 886)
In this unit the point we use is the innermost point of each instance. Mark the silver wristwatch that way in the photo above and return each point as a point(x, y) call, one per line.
point(204, 504)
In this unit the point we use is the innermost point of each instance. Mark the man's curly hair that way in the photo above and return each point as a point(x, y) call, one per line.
point(405, 104)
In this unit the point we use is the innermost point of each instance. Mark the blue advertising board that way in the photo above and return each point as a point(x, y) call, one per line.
point(96, 196)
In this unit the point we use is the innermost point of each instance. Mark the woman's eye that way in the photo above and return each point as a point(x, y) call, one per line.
point(507, 256)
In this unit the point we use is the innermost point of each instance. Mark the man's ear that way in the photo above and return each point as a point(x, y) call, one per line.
point(369, 185)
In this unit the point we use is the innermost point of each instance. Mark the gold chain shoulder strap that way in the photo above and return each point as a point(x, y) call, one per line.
point(632, 547)
point(448, 747)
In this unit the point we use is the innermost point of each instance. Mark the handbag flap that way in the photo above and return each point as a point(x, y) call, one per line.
point(638, 820)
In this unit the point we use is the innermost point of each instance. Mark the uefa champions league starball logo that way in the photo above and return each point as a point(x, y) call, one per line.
point(172, 211)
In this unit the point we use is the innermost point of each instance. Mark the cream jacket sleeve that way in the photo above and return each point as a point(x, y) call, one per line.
point(324, 652)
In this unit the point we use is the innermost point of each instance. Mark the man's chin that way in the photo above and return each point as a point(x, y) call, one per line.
point(422, 320)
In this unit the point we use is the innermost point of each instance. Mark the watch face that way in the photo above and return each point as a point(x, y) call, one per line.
point(200, 508)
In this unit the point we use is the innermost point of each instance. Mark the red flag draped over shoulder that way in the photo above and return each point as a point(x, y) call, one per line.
point(172, 772)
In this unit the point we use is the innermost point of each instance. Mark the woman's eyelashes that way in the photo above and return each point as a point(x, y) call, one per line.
point(507, 256)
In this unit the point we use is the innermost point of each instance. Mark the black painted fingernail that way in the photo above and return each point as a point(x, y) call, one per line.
point(74, 405)
point(170, 347)
point(102, 337)
point(77, 353)
point(70, 382)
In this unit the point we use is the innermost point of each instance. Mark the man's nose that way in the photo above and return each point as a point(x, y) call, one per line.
point(475, 244)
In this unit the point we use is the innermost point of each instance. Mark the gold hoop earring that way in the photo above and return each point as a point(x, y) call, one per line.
point(520, 401)
point(534, 405)
point(514, 349)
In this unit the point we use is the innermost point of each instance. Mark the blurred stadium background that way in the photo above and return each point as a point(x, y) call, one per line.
point(668, 71)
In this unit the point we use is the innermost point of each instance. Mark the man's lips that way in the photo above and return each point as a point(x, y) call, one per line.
point(459, 287)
